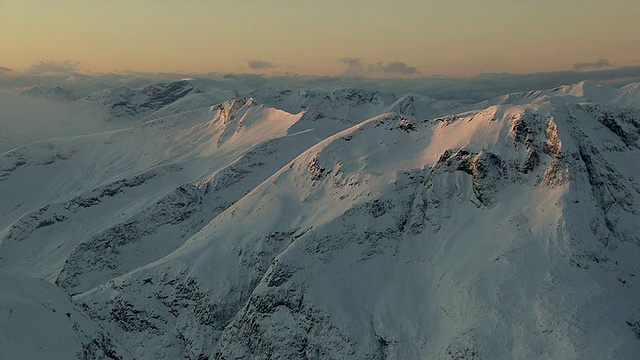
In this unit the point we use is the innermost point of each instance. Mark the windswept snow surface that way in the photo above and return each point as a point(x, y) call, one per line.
point(200, 220)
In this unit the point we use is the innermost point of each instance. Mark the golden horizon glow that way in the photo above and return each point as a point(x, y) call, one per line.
point(434, 37)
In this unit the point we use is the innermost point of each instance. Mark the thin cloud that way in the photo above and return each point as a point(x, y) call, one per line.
point(396, 67)
point(473, 89)
point(602, 63)
point(261, 65)
point(65, 74)
point(355, 67)
point(51, 67)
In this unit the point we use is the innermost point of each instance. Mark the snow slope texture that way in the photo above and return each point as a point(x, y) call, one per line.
point(339, 223)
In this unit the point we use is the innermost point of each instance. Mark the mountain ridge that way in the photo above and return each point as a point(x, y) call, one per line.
point(358, 224)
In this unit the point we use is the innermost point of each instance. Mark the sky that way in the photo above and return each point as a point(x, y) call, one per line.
point(371, 38)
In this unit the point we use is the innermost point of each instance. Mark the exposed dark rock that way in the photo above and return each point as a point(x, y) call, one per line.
point(100, 347)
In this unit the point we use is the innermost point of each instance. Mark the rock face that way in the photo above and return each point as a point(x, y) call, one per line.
point(351, 224)
point(125, 102)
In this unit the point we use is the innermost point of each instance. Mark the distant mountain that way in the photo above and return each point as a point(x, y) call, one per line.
point(51, 93)
point(122, 101)
point(330, 223)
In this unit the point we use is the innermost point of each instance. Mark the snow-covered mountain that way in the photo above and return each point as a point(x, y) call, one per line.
point(230, 222)
point(39, 321)
point(52, 93)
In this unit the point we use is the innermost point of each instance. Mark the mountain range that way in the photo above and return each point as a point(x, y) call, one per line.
point(200, 219)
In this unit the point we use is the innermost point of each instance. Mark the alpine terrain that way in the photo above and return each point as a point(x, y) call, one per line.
point(204, 219)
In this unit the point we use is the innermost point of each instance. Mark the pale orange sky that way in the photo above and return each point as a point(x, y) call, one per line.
point(378, 38)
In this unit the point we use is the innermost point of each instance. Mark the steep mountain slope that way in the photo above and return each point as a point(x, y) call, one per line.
point(354, 224)
point(39, 321)
point(90, 189)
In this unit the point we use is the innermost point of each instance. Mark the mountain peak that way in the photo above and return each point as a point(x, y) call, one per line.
point(55, 93)
point(591, 91)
